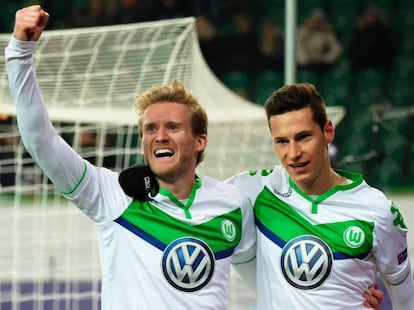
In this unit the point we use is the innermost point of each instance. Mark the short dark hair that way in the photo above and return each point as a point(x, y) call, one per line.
point(295, 97)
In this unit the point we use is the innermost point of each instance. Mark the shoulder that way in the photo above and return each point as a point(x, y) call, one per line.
point(99, 195)
point(360, 192)
point(252, 177)
point(211, 184)
point(102, 173)
point(226, 195)
point(372, 195)
point(251, 183)
point(99, 181)
point(385, 211)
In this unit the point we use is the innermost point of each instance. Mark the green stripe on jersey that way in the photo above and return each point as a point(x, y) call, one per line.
point(218, 232)
point(352, 237)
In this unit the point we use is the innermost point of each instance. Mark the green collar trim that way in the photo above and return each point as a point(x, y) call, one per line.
point(356, 179)
point(197, 184)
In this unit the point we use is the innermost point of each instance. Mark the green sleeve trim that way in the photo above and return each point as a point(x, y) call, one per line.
point(245, 262)
point(78, 183)
point(395, 284)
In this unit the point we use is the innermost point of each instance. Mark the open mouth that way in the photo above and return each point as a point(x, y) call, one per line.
point(299, 165)
point(163, 153)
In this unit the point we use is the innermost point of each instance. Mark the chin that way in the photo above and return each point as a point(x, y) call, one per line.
point(162, 170)
point(300, 178)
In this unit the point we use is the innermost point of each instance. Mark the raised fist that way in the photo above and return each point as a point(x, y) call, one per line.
point(30, 23)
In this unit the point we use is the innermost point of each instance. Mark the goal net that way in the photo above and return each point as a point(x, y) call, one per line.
point(89, 78)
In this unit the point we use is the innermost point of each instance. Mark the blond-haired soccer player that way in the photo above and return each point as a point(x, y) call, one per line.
point(169, 250)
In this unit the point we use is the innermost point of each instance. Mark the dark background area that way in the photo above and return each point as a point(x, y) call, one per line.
point(375, 136)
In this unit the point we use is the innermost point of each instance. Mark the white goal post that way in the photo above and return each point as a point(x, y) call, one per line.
point(89, 78)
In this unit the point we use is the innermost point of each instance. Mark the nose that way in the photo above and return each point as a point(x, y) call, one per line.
point(162, 135)
point(294, 151)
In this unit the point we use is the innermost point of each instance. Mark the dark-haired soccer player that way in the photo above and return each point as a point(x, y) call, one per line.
point(322, 234)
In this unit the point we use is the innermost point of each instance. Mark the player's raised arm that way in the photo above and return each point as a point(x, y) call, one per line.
point(56, 158)
point(30, 23)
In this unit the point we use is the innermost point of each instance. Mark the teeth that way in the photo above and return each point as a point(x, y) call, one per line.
point(299, 165)
point(163, 152)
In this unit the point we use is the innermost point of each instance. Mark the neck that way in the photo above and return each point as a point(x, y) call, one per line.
point(337, 179)
point(180, 188)
point(323, 184)
point(333, 180)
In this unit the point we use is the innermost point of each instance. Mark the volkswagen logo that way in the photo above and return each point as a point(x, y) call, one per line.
point(188, 264)
point(306, 262)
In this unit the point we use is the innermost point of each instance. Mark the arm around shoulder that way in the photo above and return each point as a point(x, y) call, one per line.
point(401, 294)
point(393, 259)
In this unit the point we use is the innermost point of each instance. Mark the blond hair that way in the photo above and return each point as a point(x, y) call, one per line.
point(175, 92)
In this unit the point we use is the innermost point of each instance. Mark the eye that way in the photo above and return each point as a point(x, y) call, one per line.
point(173, 126)
point(280, 141)
point(303, 137)
point(150, 128)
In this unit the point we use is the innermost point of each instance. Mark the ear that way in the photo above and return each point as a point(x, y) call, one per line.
point(329, 132)
point(142, 149)
point(201, 142)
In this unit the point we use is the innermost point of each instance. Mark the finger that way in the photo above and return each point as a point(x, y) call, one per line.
point(377, 293)
point(371, 301)
point(367, 305)
point(29, 15)
point(35, 18)
point(43, 19)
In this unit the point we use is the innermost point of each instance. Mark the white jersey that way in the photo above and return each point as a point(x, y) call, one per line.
point(162, 254)
point(323, 252)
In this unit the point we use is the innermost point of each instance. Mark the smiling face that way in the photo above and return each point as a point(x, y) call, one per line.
point(301, 146)
point(168, 143)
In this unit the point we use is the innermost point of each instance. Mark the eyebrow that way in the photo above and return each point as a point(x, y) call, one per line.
point(296, 135)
